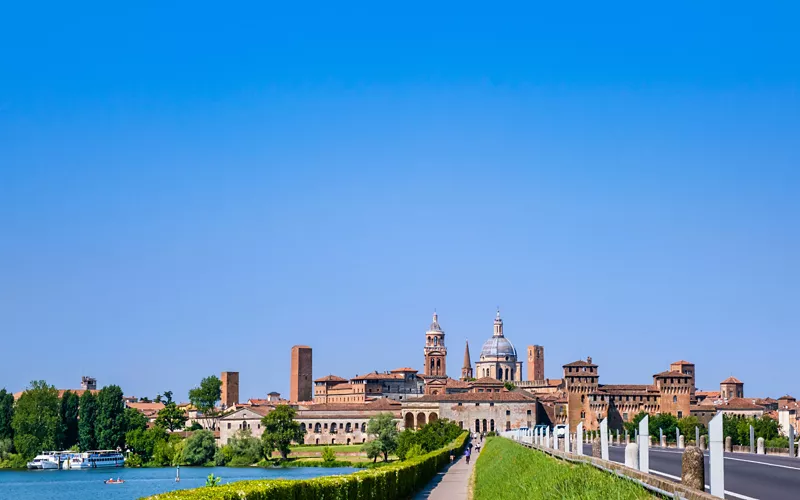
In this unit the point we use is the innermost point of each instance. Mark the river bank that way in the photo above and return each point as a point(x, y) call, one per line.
point(139, 482)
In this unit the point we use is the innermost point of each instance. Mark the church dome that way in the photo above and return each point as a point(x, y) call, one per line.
point(498, 347)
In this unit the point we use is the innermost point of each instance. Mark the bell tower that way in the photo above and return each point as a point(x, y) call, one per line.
point(435, 350)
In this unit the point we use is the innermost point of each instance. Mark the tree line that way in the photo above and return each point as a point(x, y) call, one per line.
point(733, 426)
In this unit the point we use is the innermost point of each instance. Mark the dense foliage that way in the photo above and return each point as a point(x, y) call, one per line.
point(431, 436)
point(738, 428)
point(205, 399)
point(110, 421)
point(86, 422)
point(35, 420)
point(6, 414)
point(67, 435)
point(280, 430)
point(200, 448)
point(391, 482)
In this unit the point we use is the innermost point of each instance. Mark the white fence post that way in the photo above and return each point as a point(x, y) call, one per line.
point(717, 456)
point(644, 445)
point(580, 438)
point(791, 440)
point(604, 439)
point(752, 440)
point(566, 439)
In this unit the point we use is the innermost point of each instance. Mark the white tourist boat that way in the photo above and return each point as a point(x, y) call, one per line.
point(47, 461)
point(96, 459)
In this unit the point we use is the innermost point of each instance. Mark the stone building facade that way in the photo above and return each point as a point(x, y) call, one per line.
point(731, 388)
point(498, 358)
point(300, 378)
point(398, 384)
point(435, 351)
point(323, 423)
point(494, 410)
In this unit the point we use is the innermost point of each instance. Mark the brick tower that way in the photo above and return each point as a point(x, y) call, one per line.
point(435, 350)
point(230, 388)
point(535, 362)
point(300, 381)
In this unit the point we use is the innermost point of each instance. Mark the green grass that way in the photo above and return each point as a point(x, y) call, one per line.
point(508, 470)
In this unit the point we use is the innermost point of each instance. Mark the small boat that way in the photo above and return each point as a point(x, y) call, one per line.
point(48, 460)
point(114, 481)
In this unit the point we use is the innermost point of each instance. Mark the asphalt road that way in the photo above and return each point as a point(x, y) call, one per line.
point(747, 476)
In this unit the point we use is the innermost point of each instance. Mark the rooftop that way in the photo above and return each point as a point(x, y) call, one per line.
point(732, 380)
point(331, 378)
point(671, 375)
point(581, 362)
point(475, 397)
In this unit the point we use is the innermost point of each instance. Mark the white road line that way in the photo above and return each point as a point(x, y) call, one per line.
point(675, 478)
point(762, 463)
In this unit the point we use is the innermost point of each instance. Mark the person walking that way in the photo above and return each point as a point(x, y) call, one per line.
point(467, 454)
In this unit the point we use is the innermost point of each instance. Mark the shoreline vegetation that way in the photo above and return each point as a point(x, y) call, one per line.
point(392, 481)
point(506, 470)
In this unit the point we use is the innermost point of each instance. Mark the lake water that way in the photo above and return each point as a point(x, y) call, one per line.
point(88, 484)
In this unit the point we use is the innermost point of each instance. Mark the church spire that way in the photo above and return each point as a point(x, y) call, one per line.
point(466, 370)
point(498, 324)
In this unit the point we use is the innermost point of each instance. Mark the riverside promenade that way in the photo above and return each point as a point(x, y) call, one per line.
point(451, 483)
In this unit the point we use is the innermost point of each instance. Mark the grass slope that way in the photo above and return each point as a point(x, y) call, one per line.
point(507, 470)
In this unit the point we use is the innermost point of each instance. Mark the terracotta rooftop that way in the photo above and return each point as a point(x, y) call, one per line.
point(702, 408)
point(580, 362)
point(787, 397)
point(708, 394)
point(731, 380)
point(406, 369)
point(378, 404)
point(487, 381)
point(331, 378)
point(554, 382)
point(682, 362)
point(739, 404)
point(671, 375)
point(505, 397)
point(378, 376)
point(451, 382)
point(144, 407)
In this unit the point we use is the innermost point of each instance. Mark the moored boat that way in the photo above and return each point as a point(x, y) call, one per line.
point(96, 459)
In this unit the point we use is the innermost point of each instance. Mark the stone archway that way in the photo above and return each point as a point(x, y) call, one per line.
point(420, 420)
point(409, 421)
point(433, 417)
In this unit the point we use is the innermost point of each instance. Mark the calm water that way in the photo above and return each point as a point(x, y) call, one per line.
point(88, 484)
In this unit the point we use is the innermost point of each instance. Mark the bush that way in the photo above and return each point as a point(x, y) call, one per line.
point(200, 448)
point(414, 452)
point(394, 481)
point(328, 455)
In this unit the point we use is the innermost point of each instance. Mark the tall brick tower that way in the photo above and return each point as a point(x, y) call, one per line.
point(230, 388)
point(435, 350)
point(466, 370)
point(581, 380)
point(535, 362)
point(300, 381)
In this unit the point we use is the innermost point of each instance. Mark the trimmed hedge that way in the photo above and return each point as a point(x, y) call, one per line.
point(392, 482)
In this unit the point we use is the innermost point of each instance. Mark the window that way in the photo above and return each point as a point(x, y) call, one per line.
point(229, 425)
point(477, 404)
point(674, 399)
point(459, 404)
point(529, 412)
point(625, 417)
point(583, 414)
point(508, 412)
point(491, 404)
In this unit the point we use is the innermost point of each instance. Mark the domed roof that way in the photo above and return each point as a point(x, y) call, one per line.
point(498, 346)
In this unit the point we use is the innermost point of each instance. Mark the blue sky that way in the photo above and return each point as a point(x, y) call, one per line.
point(195, 188)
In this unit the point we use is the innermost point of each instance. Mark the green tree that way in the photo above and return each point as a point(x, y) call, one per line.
point(6, 414)
point(406, 440)
point(667, 422)
point(110, 423)
point(509, 385)
point(35, 420)
point(86, 421)
point(245, 449)
point(68, 421)
point(206, 397)
point(143, 442)
point(280, 430)
point(437, 434)
point(171, 417)
point(633, 426)
point(328, 455)
point(687, 426)
point(200, 448)
point(384, 428)
point(167, 398)
point(134, 419)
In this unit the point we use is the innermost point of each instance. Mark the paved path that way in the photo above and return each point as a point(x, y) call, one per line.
point(451, 483)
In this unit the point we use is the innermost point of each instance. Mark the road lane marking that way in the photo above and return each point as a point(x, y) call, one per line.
point(762, 463)
point(676, 478)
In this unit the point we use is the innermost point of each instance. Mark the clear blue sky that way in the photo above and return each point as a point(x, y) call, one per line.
point(193, 188)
